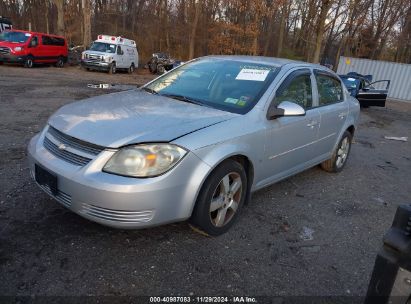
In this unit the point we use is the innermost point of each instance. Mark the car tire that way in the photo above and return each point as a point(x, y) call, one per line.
point(160, 69)
point(60, 62)
point(131, 69)
point(28, 63)
point(152, 67)
point(220, 199)
point(339, 158)
point(112, 68)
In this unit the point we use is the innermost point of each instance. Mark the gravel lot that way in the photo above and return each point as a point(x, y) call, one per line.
point(313, 234)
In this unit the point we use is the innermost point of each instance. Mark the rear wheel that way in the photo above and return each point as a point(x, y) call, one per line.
point(220, 199)
point(60, 62)
point(112, 68)
point(339, 158)
point(28, 63)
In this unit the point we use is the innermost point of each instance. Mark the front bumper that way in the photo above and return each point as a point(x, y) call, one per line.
point(117, 201)
point(12, 58)
point(95, 65)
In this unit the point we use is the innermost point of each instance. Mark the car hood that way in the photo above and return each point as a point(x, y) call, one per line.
point(135, 116)
point(11, 44)
point(98, 53)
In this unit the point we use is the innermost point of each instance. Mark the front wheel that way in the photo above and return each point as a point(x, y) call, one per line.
point(28, 63)
point(339, 158)
point(112, 68)
point(220, 199)
point(131, 69)
point(161, 69)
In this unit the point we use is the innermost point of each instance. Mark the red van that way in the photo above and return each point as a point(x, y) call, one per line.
point(30, 48)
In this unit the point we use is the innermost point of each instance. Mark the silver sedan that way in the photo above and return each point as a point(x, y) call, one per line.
point(195, 142)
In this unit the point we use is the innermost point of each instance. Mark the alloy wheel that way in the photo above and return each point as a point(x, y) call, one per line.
point(226, 199)
point(342, 152)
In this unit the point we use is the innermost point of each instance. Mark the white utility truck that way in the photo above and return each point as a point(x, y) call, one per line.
point(110, 53)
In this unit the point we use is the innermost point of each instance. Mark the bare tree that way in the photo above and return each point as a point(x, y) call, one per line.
point(60, 16)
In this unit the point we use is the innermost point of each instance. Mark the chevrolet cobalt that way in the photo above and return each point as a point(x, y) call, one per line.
point(194, 143)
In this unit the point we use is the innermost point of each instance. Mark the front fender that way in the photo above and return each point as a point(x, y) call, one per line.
point(214, 155)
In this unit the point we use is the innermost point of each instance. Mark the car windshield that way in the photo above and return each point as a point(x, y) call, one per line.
point(103, 47)
point(233, 86)
point(17, 37)
point(350, 83)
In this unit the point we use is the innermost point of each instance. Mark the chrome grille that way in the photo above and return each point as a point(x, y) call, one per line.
point(118, 215)
point(4, 50)
point(70, 149)
point(61, 197)
point(74, 142)
point(92, 57)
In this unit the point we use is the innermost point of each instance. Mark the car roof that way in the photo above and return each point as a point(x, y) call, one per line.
point(36, 33)
point(273, 61)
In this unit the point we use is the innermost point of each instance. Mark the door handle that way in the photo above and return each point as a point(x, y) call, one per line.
point(312, 124)
point(342, 115)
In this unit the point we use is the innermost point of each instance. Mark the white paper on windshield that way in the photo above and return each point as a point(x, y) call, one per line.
point(252, 74)
point(351, 79)
point(27, 34)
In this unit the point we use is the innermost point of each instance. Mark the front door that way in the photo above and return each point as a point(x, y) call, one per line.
point(290, 140)
point(120, 58)
point(368, 95)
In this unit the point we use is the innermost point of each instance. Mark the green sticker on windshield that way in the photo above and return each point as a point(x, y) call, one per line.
point(231, 100)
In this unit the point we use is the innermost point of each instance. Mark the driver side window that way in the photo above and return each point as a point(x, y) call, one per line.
point(297, 89)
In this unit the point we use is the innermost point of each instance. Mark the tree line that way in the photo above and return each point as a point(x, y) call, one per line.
point(309, 30)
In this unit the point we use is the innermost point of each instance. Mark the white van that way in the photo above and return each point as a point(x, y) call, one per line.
point(110, 53)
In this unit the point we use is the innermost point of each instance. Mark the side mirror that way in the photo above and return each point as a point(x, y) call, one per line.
point(286, 108)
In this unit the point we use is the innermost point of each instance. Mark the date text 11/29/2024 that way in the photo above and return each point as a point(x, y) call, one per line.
point(195, 299)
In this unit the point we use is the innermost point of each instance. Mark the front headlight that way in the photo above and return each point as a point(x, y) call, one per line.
point(146, 160)
point(18, 49)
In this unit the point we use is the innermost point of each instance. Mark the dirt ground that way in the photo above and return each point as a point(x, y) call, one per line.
point(314, 234)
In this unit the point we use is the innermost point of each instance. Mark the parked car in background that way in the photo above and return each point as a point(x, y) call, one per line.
point(109, 53)
point(31, 48)
point(362, 88)
point(160, 63)
point(5, 24)
point(195, 142)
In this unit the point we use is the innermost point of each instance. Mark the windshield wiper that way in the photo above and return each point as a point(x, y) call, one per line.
point(154, 92)
point(183, 98)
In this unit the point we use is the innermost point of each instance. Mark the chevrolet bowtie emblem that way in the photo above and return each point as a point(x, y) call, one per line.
point(62, 146)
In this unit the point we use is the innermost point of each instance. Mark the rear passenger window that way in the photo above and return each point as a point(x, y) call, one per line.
point(329, 89)
point(298, 91)
point(48, 40)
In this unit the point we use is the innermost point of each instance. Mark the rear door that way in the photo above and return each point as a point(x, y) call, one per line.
point(369, 95)
point(333, 110)
point(46, 48)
